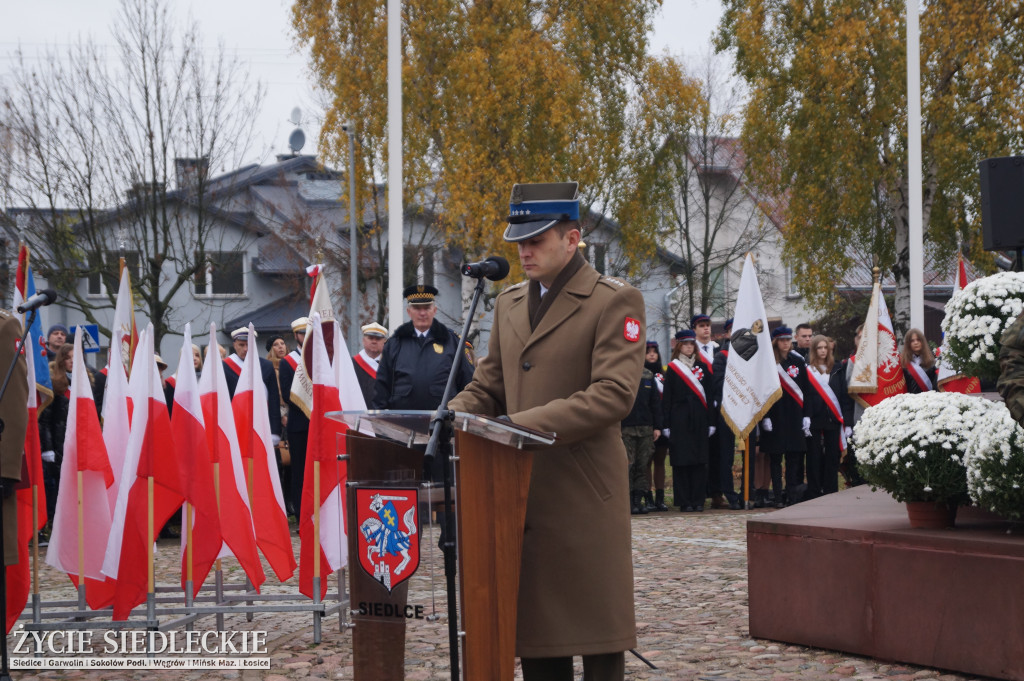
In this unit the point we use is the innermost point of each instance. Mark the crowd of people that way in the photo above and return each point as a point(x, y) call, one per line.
point(800, 448)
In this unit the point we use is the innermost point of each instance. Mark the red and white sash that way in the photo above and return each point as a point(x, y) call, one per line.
point(293, 359)
point(234, 363)
point(706, 359)
point(789, 385)
point(689, 379)
point(920, 376)
point(820, 383)
point(368, 364)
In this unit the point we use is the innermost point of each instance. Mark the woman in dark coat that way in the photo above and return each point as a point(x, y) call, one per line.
point(784, 432)
point(918, 362)
point(687, 420)
point(828, 401)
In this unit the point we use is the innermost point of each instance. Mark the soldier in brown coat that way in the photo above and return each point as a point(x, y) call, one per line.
point(14, 412)
point(565, 350)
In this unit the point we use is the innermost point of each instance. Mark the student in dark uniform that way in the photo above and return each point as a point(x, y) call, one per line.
point(784, 431)
point(722, 489)
point(298, 421)
point(918, 363)
point(414, 366)
point(687, 421)
point(233, 370)
point(828, 400)
point(367, 360)
point(656, 469)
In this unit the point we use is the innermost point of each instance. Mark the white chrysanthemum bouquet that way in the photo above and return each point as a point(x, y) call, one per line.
point(975, 320)
point(995, 464)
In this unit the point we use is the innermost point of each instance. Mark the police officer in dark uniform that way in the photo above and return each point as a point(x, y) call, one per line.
point(416, 360)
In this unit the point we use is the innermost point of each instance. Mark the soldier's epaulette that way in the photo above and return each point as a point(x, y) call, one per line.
point(4, 314)
point(513, 287)
point(612, 281)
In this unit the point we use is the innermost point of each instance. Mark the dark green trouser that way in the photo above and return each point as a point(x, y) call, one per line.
point(639, 441)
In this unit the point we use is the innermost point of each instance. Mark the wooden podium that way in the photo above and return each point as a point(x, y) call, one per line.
point(492, 482)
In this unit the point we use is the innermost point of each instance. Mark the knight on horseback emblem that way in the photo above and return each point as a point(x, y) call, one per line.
point(389, 547)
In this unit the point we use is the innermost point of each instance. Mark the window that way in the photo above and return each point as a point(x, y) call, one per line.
point(792, 291)
point(108, 278)
point(223, 274)
point(418, 265)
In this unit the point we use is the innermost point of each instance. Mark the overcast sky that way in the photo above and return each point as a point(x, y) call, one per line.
point(257, 31)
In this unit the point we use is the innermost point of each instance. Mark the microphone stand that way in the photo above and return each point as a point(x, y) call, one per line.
point(5, 672)
point(441, 432)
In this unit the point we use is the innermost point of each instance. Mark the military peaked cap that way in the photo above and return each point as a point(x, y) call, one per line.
point(536, 208)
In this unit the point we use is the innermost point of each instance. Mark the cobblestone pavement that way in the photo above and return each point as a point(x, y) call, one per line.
point(691, 599)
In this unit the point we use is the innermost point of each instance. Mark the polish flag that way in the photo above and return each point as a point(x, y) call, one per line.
point(949, 380)
point(85, 476)
point(116, 419)
point(19, 579)
point(235, 517)
point(325, 436)
point(196, 474)
point(253, 423)
point(151, 456)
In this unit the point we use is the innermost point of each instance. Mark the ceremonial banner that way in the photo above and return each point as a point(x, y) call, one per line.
point(123, 332)
point(950, 381)
point(876, 369)
point(320, 303)
point(751, 384)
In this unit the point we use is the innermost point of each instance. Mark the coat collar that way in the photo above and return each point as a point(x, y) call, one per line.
point(438, 332)
point(570, 298)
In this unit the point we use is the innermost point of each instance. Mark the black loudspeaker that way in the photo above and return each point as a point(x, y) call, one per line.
point(1002, 203)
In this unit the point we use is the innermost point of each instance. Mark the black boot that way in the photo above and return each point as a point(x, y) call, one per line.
point(659, 500)
point(633, 510)
point(641, 503)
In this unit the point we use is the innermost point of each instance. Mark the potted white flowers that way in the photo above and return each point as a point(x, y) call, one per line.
point(995, 464)
point(913, 447)
point(975, 320)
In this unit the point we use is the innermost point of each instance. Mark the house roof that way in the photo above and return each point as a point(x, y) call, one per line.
point(274, 317)
point(939, 277)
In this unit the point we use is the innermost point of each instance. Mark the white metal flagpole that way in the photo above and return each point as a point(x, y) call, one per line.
point(395, 240)
point(914, 178)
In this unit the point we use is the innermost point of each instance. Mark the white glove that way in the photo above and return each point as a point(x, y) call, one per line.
point(711, 430)
point(665, 432)
point(806, 424)
point(807, 432)
point(848, 432)
point(766, 425)
point(275, 440)
point(49, 456)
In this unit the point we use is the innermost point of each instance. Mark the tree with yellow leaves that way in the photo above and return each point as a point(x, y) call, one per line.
point(826, 125)
point(494, 93)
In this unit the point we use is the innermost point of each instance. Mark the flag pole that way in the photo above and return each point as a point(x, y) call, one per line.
point(188, 554)
point(35, 549)
point(150, 577)
point(81, 543)
point(746, 472)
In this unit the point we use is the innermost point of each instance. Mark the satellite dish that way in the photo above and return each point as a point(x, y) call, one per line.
point(296, 117)
point(296, 140)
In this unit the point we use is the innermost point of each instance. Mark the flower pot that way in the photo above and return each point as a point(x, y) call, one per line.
point(931, 515)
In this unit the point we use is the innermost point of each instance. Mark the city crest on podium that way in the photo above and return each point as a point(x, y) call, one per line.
point(389, 546)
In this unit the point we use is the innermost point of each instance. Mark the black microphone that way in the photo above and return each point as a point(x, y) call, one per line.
point(44, 297)
point(494, 268)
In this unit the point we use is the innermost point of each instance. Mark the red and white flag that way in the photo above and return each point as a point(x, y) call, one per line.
point(116, 419)
point(31, 517)
point(196, 474)
point(322, 450)
point(252, 419)
point(877, 373)
point(949, 380)
point(123, 332)
point(82, 519)
point(232, 496)
point(320, 303)
point(151, 455)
